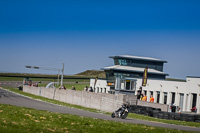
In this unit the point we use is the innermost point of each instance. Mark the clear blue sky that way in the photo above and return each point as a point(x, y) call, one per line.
point(82, 34)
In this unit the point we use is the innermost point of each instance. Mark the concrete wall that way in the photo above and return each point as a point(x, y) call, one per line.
point(163, 107)
point(100, 101)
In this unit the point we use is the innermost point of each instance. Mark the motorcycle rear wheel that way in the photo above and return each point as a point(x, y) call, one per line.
point(113, 115)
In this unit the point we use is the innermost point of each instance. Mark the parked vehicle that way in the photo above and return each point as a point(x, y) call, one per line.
point(121, 112)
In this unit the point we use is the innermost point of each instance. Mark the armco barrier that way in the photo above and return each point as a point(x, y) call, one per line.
point(100, 101)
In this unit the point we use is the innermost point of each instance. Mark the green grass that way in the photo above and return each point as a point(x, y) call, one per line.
point(11, 79)
point(79, 86)
point(43, 79)
point(176, 122)
point(24, 120)
point(131, 115)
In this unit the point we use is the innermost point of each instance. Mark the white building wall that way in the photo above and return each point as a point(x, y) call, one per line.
point(164, 86)
point(188, 88)
point(193, 87)
point(101, 83)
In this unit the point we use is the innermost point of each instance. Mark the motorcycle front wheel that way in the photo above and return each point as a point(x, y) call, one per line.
point(124, 115)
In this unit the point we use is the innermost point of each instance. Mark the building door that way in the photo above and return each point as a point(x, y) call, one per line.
point(128, 85)
point(151, 93)
point(158, 96)
point(194, 101)
point(181, 101)
point(165, 97)
point(173, 98)
point(145, 92)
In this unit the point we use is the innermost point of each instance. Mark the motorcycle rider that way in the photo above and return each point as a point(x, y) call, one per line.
point(122, 109)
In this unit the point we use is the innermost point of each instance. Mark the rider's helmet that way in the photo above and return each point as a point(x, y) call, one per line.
point(126, 104)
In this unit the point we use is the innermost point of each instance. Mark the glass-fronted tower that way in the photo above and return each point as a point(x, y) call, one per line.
point(132, 67)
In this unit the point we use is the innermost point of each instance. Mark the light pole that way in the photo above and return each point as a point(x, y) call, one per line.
point(52, 69)
point(62, 75)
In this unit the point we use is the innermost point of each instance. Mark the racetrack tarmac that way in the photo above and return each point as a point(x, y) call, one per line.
point(7, 97)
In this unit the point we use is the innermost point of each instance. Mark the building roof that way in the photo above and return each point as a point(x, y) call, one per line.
point(138, 58)
point(193, 77)
point(133, 69)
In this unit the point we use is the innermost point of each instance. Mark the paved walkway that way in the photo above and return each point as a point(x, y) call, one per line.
point(11, 98)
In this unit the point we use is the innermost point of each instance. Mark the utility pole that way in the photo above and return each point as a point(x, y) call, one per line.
point(62, 75)
point(51, 69)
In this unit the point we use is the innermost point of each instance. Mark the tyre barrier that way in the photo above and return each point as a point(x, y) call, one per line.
point(157, 113)
point(197, 118)
point(171, 116)
point(177, 116)
point(165, 115)
point(190, 117)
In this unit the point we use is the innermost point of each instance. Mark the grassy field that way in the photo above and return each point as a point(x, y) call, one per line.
point(79, 86)
point(68, 83)
point(41, 79)
point(24, 120)
point(131, 115)
point(83, 76)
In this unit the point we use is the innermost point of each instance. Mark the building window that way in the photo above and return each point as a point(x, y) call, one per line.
point(122, 84)
point(133, 85)
point(122, 62)
point(125, 84)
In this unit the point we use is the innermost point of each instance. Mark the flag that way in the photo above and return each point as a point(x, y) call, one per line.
point(144, 80)
point(95, 81)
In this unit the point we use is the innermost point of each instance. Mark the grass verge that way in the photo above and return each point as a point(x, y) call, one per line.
point(15, 119)
point(52, 79)
point(78, 86)
point(131, 115)
point(176, 122)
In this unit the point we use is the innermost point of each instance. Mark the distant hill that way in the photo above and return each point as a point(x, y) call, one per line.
point(179, 80)
point(92, 73)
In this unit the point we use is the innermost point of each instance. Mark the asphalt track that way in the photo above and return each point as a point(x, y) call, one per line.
point(7, 97)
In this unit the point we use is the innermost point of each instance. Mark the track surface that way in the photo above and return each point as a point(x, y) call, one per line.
point(11, 98)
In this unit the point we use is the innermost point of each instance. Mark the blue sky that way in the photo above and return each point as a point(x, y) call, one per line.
point(82, 34)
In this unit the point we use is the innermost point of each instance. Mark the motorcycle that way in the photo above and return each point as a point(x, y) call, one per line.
point(121, 112)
